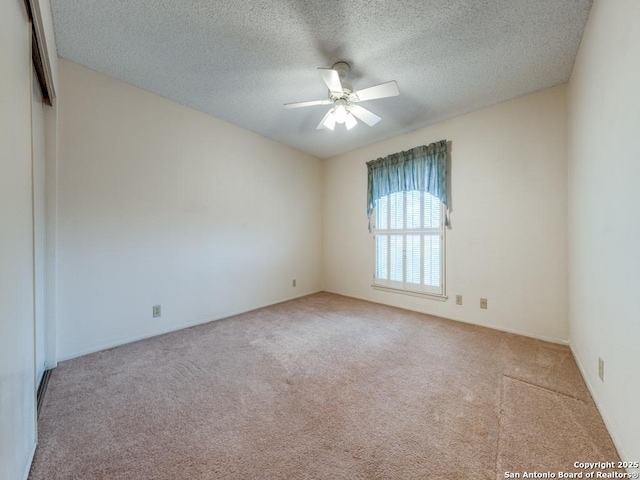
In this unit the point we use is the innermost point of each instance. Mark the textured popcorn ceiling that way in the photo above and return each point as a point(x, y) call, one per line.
point(241, 60)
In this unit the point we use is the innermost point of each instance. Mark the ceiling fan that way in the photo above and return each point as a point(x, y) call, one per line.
point(344, 99)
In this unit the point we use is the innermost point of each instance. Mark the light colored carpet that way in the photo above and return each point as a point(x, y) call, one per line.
point(323, 387)
point(538, 423)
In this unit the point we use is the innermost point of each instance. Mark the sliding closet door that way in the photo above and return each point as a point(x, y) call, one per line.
point(17, 370)
point(39, 223)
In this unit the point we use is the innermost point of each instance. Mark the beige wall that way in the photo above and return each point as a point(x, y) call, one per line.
point(160, 204)
point(508, 236)
point(604, 223)
point(17, 368)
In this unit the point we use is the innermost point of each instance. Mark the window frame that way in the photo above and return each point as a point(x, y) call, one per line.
point(419, 290)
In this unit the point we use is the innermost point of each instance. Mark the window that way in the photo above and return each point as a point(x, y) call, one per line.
point(409, 243)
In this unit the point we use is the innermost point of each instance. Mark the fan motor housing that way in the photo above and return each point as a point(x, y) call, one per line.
point(342, 68)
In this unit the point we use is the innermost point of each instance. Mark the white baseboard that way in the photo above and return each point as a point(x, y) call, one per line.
point(607, 423)
point(117, 343)
point(459, 319)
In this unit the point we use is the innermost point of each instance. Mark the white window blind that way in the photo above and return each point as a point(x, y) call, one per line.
point(409, 243)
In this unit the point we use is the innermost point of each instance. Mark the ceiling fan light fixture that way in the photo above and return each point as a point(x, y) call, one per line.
point(330, 122)
point(340, 112)
point(350, 121)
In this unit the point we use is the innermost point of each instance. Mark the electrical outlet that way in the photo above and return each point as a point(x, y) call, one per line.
point(601, 369)
point(293, 283)
point(156, 311)
point(483, 303)
point(458, 299)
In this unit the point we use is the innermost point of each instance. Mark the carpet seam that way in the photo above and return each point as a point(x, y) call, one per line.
point(500, 417)
point(544, 388)
point(501, 410)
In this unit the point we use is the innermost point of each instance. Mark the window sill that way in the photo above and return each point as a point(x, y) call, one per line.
point(431, 296)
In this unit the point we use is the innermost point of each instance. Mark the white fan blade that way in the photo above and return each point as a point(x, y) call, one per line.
point(308, 104)
point(350, 122)
point(388, 89)
point(328, 121)
point(365, 115)
point(332, 79)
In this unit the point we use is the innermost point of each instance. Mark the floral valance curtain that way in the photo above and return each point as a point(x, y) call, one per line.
point(422, 168)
